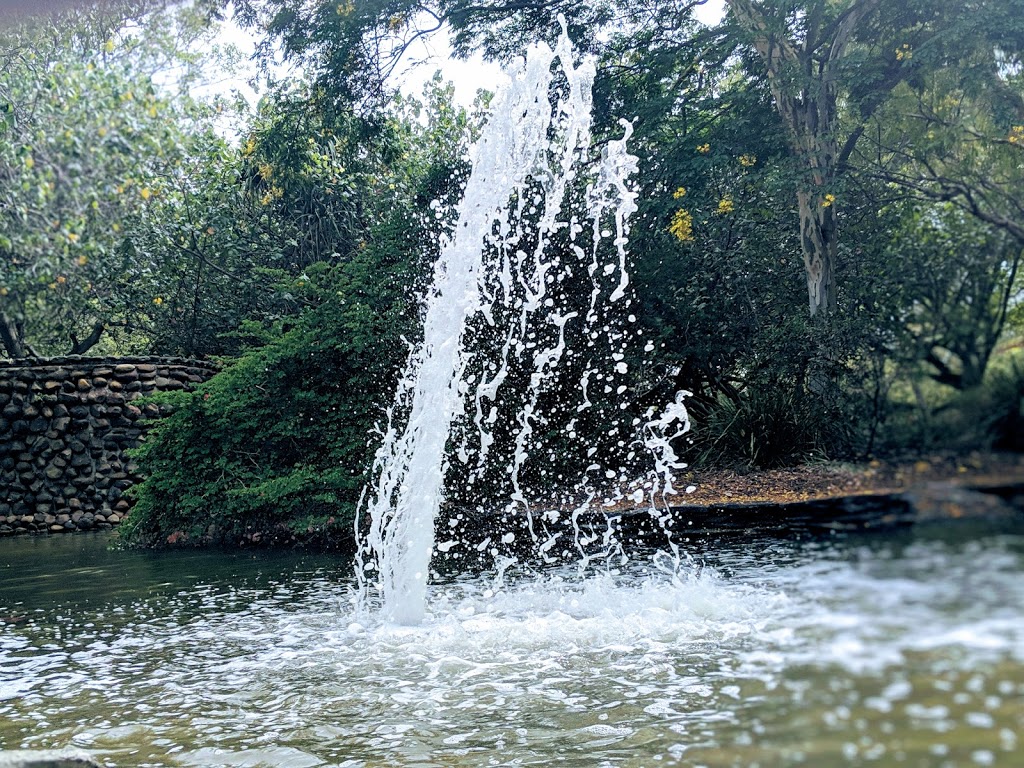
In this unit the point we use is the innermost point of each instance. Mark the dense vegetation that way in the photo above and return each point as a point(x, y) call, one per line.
point(826, 254)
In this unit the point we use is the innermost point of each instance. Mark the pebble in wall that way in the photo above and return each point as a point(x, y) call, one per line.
point(65, 425)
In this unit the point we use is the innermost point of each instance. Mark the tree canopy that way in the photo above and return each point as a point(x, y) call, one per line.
point(826, 251)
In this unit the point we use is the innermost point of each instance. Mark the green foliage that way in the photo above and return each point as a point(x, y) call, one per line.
point(926, 416)
point(88, 142)
point(771, 424)
point(275, 446)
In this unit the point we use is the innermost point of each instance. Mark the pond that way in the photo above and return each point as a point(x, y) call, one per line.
point(894, 648)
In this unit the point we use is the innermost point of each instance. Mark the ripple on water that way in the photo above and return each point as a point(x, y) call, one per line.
point(846, 651)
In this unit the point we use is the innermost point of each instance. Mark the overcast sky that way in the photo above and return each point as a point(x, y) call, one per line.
point(426, 58)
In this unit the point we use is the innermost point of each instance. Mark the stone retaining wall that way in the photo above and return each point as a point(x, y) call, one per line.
point(65, 424)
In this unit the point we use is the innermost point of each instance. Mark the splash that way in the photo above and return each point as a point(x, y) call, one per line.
point(526, 165)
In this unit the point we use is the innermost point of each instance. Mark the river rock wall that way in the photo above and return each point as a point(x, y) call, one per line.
point(65, 425)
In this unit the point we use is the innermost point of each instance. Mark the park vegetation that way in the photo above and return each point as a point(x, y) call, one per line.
point(826, 254)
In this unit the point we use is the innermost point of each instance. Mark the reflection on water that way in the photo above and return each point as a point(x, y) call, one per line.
point(882, 650)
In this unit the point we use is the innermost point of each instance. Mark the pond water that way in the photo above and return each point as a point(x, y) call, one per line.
point(895, 648)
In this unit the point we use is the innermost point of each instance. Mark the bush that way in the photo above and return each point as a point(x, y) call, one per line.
point(275, 446)
point(770, 425)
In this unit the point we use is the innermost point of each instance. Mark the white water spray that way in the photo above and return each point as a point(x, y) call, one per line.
point(531, 142)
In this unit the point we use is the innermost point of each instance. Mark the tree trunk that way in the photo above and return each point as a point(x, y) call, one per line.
point(11, 337)
point(819, 242)
point(801, 77)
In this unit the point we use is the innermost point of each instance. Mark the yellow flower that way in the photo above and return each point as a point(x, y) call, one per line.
point(904, 52)
point(681, 192)
point(681, 226)
point(108, 46)
point(4, 291)
point(145, 192)
point(1016, 135)
point(704, 148)
point(828, 200)
point(83, 260)
point(748, 160)
point(116, 227)
point(102, 131)
point(158, 301)
point(61, 279)
point(29, 162)
point(725, 205)
point(72, 237)
point(249, 148)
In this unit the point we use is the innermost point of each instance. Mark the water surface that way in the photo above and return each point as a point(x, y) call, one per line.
point(896, 648)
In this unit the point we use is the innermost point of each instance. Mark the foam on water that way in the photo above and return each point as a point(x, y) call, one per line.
point(833, 647)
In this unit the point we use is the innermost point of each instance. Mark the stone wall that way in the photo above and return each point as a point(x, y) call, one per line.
point(65, 424)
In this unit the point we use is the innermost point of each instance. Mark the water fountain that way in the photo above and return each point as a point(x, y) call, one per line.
point(525, 163)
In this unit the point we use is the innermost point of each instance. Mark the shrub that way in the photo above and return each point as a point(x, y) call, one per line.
point(274, 447)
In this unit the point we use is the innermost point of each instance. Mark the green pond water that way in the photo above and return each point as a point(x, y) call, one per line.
point(895, 648)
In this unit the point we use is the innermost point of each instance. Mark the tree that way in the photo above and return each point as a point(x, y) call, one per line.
point(88, 139)
point(276, 444)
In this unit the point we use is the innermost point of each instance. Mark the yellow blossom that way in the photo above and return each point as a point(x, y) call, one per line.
point(158, 301)
point(680, 192)
point(904, 52)
point(4, 291)
point(108, 46)
point(72, 237)
point(828, 200)
point(681, 226)
point(1016, 135)
point(748, 160)
point(146, 193)
point(704, 148)
point(61, 279)
point(102, 131)
point(725, 205)
point(29, 162)
point(83, 260)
